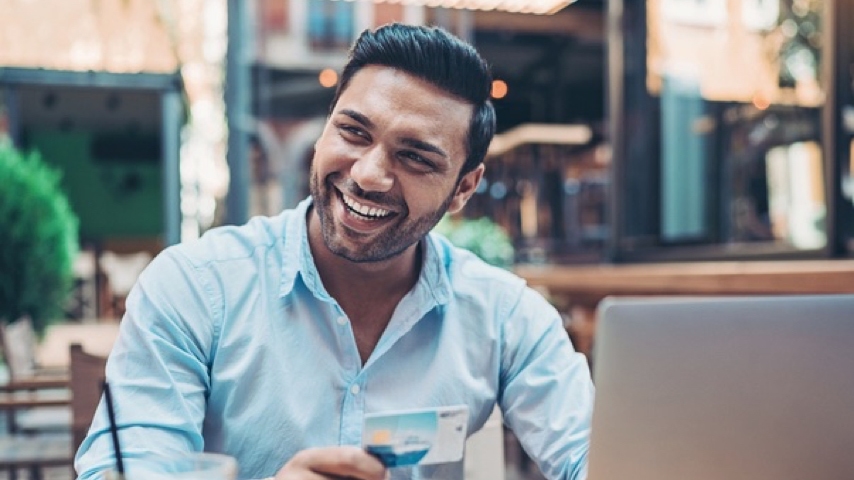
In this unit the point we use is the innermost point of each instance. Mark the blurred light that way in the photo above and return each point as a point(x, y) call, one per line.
point(328, 77)
point(760, 102)
point(499, 89)
point(483, 184)
point(498, 190)
point(789, 28)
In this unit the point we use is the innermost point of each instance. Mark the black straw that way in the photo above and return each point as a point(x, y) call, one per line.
point(114, 431)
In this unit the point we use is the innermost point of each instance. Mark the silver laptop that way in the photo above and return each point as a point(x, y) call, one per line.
point(758, 388)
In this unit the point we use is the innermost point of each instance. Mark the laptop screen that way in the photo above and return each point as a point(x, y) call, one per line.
point(724, 388)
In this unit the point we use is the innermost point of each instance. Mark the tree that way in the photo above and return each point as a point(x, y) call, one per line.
point(38, 239)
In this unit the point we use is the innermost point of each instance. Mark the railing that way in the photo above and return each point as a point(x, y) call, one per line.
point(577, 290)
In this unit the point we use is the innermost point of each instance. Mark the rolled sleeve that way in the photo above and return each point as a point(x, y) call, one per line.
point(158, 369)
point(547, 393)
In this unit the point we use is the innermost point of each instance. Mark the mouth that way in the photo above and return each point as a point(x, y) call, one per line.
point(363, 211)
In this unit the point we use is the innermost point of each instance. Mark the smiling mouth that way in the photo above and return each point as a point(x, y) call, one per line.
point(364, 211)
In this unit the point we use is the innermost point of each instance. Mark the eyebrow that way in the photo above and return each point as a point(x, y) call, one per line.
point(358, 117)
point(421, 145)
point(408, 141)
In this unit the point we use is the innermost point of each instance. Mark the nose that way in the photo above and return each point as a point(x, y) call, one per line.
point(372, 171)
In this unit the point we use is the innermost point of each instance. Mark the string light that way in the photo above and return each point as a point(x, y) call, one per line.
point(499, 89)
point(328, 77)
point(761, 102)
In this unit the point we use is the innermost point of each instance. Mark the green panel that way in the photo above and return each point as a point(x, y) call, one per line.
point(112, 199)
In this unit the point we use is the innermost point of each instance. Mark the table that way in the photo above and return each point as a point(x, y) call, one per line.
point(578, 289)
point(96, 338)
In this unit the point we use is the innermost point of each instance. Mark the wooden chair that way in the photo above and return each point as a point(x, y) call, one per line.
point(121, 271)
point(87, 379)
point(29, 393)
point(29, 389)
point(19, 352)
point(34, 452)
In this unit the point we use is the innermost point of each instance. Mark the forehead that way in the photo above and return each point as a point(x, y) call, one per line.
point(396, 101)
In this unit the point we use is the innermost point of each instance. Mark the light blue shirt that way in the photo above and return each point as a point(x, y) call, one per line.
point(232, 344)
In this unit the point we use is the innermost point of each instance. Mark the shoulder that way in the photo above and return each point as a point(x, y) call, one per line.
point(222, 255)
point(227, 243)
point(471, 277)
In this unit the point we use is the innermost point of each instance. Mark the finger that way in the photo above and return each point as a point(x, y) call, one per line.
point(344, 462)
point(292, 471)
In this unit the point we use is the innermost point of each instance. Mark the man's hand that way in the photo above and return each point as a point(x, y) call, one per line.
point(328, 463)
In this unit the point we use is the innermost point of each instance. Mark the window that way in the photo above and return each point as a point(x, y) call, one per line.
point(330, 24)
point(723, 127)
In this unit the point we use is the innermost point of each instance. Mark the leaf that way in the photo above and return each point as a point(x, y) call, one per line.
point(481, 236)
point(38, 239)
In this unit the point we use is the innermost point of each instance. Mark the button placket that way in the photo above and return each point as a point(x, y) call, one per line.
point(349, 351)
point(353, 412)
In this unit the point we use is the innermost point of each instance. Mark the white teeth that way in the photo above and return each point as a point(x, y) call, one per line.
point(364, 210)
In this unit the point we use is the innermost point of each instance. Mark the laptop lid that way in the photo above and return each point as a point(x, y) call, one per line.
point(755, 388)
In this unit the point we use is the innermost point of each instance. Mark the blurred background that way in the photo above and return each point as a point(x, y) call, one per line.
point(167, 118)
point(689, 129)
point(643, 147)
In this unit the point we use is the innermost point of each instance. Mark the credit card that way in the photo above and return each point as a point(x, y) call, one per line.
point(416, 437)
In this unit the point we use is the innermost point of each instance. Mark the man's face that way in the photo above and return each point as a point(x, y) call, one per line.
point(386, 167)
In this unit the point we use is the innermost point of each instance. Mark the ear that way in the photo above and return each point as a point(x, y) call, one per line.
point(465, 189)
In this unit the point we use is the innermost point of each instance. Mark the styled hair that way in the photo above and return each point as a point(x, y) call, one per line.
point(438, 57)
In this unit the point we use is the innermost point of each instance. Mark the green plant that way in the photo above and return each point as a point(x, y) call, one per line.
point(481, 236)
point(38, 239)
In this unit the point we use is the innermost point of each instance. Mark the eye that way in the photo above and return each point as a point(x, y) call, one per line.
point(417, 161)
point(353, 133)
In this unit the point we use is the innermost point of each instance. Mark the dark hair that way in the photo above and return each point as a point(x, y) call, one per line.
point(438, 57)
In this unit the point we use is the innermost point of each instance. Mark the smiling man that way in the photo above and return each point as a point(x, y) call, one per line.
point(274, 341)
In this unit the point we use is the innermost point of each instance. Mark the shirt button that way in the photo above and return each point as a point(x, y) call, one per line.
point(354, 389)
point(342, 321)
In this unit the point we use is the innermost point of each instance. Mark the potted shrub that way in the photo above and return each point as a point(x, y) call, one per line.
point(481, 236)
point(38, 240)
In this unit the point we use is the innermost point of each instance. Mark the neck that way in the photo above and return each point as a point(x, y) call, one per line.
point(352, 283)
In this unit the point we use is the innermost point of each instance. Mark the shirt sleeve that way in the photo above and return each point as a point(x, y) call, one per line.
point(546, 389)
point(158, 369)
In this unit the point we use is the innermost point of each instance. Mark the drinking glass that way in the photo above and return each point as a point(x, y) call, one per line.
point(179, 466)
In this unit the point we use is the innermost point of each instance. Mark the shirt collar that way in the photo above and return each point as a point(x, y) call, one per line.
point(298, 260)
point(295, 252)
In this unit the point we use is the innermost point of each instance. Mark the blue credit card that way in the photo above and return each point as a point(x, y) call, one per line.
point(417, 437)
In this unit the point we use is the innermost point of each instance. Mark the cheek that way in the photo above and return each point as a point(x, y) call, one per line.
point(331, 154)
point(342, 151)
point(424, 195)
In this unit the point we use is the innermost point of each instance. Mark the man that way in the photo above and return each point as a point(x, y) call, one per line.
point(271, 341)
